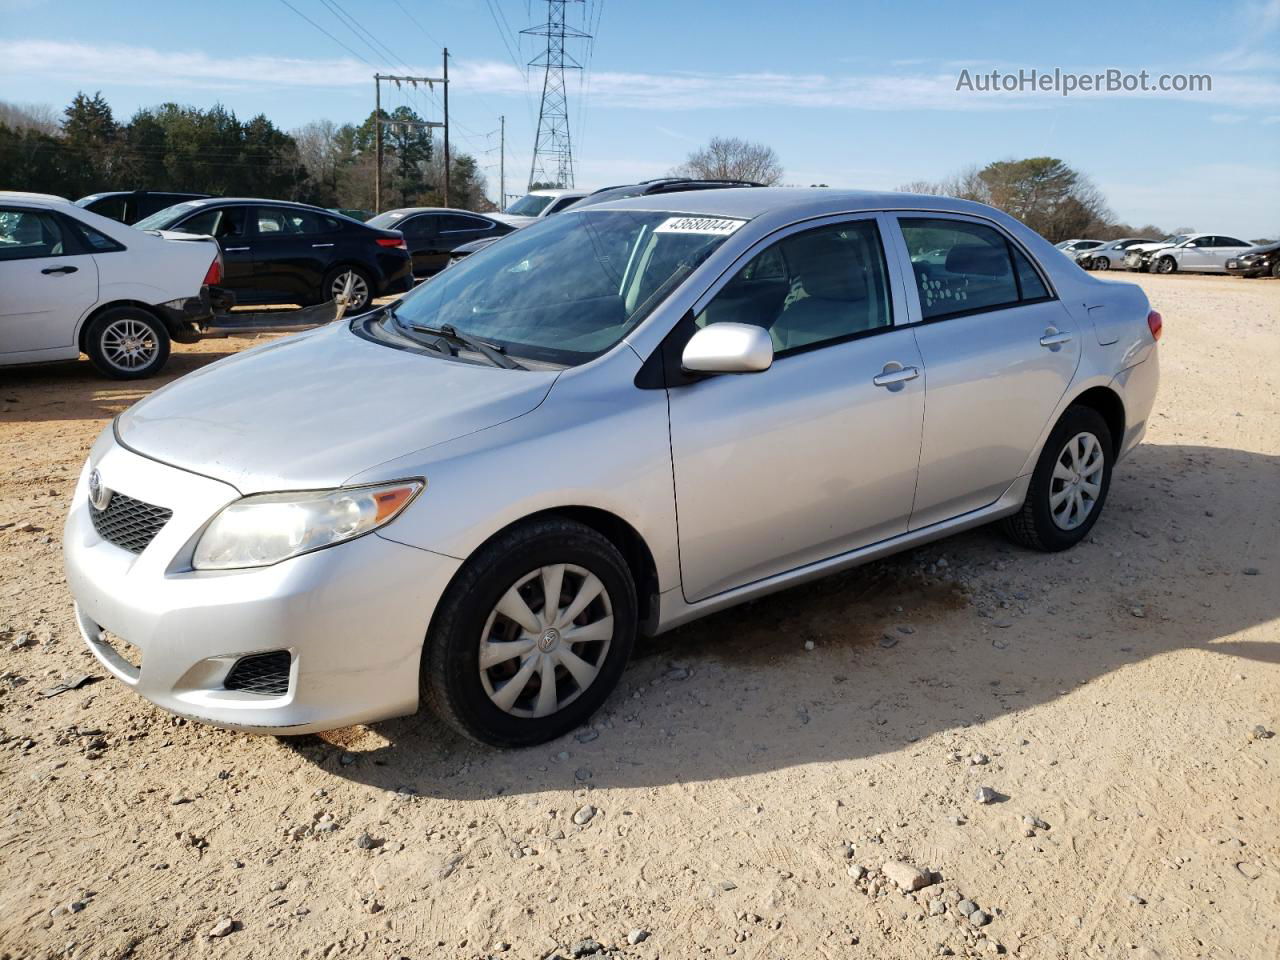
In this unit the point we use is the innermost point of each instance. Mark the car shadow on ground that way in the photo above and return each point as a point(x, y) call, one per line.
point(902, 649)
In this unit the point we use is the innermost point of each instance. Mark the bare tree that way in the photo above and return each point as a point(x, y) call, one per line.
point(320, 151)
point(731, 158)
point(30, 116)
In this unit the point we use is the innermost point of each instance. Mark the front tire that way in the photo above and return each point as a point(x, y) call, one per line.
point(1069, 484)
point(532, 635)
point(127, 343)
point(361, 288)
point(1101, 263)
point(1166, 265)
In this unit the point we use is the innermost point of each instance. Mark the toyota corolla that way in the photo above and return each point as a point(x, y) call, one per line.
point(611, 423)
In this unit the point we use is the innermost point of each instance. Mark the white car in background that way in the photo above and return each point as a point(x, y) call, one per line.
point(1110, 254)
point(536, 204)
point(74, 282)
point(1073, 247)
point(1198, 253)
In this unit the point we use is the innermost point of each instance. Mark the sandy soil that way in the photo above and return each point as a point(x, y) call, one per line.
point(740, 780)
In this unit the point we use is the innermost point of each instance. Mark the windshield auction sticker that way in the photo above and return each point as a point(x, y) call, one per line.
point(710, 226)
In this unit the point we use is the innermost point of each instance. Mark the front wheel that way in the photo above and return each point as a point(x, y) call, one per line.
point(1101, 263)
point(335, 284)
point(1166, 265)
point(1069, 484)
point(532, 635)
point(127, 343)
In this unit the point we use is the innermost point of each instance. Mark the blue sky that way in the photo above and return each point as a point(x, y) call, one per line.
point(849, 94)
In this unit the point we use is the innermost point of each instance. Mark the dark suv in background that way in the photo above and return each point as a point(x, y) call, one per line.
point(279, 252)
point(130, 206)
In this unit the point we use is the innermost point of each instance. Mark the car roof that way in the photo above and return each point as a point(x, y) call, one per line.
point(405, 211)
point(751, 202)
point(24, 195)
point(556, 192)
point(210, 201)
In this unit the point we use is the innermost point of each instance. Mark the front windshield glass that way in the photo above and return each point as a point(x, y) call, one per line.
point(569, 288)
point(161, 219)
point(529, 205)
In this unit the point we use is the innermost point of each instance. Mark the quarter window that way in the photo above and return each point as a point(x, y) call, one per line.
point(816, 287)
point(26, 234)
point(964, 267)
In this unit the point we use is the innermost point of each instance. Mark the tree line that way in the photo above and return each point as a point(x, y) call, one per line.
point(184, 148)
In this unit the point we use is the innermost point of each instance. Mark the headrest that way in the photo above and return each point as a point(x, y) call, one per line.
point(978, 258)
point(828, 267)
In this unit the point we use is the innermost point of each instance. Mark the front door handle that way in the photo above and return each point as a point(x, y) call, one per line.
point(236, 249)
point(317, 246)
point(1053, 339)
point(894, 374)
point(48, 270)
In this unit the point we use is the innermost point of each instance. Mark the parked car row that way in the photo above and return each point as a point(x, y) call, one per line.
point(1190, 252)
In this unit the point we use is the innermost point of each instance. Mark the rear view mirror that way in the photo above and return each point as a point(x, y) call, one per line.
point(728, 348)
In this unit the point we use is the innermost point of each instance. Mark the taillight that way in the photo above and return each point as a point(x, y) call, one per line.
point(214, 276)
point(392, 242)
point(1155, 323)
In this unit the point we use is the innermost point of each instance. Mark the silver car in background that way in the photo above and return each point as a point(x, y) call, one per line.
point(611, 423)
point(1110, 255)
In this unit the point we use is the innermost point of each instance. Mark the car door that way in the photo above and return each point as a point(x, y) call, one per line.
point(818, 454)
point(422, 237)
point(1196, 255)
point(999, 351)
point(227, 226)
point(47, 282)
point(287, 256)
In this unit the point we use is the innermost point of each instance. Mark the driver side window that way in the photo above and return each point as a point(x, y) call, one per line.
point(810, 289)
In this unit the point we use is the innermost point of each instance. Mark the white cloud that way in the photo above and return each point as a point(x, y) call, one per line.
point(93, 65)
point(1229, 118)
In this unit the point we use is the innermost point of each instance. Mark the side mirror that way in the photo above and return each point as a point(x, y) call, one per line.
point(728, 348)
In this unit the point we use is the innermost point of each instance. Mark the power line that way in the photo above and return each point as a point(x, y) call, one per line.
point(325, 32)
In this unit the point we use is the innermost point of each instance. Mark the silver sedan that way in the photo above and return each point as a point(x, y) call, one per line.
point(611, 423)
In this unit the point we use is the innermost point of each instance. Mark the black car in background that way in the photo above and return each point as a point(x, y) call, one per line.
point(433, 233)
point(1261, 261)
point(275, 251)
point(643, 189)
point(130, 206)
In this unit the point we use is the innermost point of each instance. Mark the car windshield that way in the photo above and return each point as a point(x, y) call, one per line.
point(567, 289)
point(388, 220)
point(161, 219)
point(529, 205)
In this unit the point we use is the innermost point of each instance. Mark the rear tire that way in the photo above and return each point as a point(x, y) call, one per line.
point(127, 343)
point(361, 288)
point(1068, 486)
point(537, 682)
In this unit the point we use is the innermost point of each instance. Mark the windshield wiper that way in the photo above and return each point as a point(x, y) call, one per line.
point(490, 351)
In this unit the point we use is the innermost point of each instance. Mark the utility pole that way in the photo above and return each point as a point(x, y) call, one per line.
point(552, 149)
point(446, 126)
point(426, 124)
point(377, 150)
point(502, 163)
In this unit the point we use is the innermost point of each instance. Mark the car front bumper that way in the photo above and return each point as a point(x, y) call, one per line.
point(352, 618)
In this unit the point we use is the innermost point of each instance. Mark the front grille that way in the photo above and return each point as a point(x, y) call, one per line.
point(129, 523)
point(263, 673)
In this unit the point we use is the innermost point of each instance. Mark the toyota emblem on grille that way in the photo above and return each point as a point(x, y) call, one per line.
point(99, 495)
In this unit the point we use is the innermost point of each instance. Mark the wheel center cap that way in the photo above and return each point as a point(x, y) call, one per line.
point(549, 640)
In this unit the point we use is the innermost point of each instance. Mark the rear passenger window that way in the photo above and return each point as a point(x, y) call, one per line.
point(812, 288)
point(963, 267)
point(27, 235)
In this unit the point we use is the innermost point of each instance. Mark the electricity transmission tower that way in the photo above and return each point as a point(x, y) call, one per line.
point(552, 149)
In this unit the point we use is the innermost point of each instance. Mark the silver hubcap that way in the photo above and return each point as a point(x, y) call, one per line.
point(129, 344)
point(1077, 481)
point(359, 289)
point(546, 640)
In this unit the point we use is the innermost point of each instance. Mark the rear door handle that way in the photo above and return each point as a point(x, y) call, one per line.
point(47, 270)
point(317, 246)
point(1053, 339)
point(894, 374)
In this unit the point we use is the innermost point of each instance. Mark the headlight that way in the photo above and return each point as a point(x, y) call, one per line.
point(266, 528)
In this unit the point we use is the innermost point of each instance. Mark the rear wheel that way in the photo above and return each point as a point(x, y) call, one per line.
point(532, 635)
point(1166, 265)
point(335, 283)
point(1069, 485)
point(127, 343)
point(1275, 270)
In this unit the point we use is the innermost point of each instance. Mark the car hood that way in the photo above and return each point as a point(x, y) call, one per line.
point(311, 411)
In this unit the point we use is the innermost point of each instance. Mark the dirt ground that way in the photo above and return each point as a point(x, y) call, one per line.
point(741, 781)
